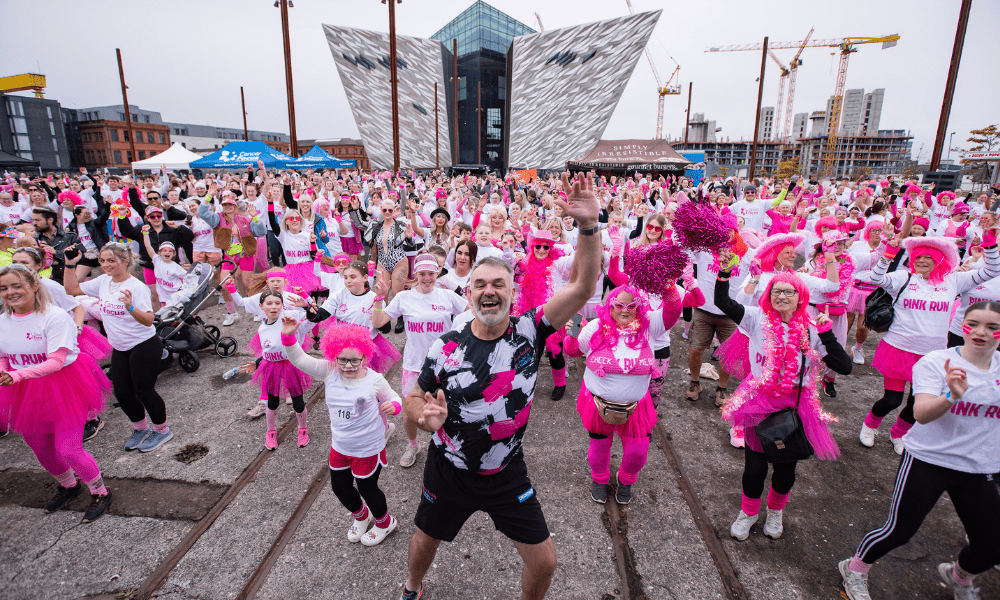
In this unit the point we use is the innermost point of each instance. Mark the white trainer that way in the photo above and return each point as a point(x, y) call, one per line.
point(376, 534)
point(390, 432)
point(409, 456)
point(868, 436)
point(859, 355)
point(358, 529)
point(961, 592)
point(740, 528)
point(772, 525)
point(897, 445)
point(257, 411)
point(230, 319)
point(256, 318)
point(855, 584)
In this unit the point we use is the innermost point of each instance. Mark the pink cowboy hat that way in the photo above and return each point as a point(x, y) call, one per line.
point(767, 252)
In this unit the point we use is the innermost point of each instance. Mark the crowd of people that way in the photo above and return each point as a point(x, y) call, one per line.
point(485, 277)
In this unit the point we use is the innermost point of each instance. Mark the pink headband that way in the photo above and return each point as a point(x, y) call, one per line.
point(279, 273)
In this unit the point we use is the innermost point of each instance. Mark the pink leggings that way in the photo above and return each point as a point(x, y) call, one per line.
point(634, 451)
point(62, 451)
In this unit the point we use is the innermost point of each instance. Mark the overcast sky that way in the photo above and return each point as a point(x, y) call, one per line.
point(188, 58)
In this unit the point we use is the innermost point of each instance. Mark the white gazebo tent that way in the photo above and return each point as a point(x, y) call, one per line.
point(174, 157)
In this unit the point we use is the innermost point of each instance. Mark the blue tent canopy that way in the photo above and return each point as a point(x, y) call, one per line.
point(318, 158)
point(240, 155)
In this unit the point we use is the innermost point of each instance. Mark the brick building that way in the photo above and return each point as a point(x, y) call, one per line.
point(342, 148)
point(103, 136)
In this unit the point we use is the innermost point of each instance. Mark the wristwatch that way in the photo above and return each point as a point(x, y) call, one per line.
point(588, 230)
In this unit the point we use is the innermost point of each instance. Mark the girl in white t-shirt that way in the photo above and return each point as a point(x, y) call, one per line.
point(273, 373)
point(125, 308)
point(358, 399)
point(296, 243)
point(427, 313)
point(168, 273)
point(953, 449)
point(48, 389)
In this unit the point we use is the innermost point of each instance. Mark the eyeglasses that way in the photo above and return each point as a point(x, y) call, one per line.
point(293, 219)
point(341, 263)
point(630, 306)
point(542, 247)
point(785, 293)
point(354, 362)
point(655, 228)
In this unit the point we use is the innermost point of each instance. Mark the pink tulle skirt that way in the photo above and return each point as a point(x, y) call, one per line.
point(386, 355)
point(281, 379)
point(894, 363)
point(93, 343)
point(734, 355)
point(260, 259)
point(755, 409)
point(352, 245)
point(300, 275)
point(857, 296)
point(63, 400)
point(641, 422)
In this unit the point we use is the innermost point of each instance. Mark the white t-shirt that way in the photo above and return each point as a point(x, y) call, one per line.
point(753, 213)
point(754, 322)
point(10, 214)
point(619, 387)
point(989, 290)
point(85, 238)
point(356, 427)
point(27, 340)
point(204, 241)
point(707, 274)
point(124, 332)
point(168, 277)
point(295, 246)
point(270, 336)
point(966, 437)
point(427, 317)
point(333, 245)
point(348, 308)
point(59, 296)
point(252, 304)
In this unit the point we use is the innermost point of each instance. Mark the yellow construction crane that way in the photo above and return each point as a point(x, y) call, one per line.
point(847, 47)
point(668, 89)
point(785, 72)
point(23, 83)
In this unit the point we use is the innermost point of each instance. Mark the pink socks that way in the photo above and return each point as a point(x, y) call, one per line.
point(362, 514)
point(961, 576)
point(67, 479)
point(872, 421)
point(141, 424)
point(748, 505)
point(776, 501)
point(97, 487)
point(161, 428)
point(230, 306)
point(383, 521)
point(857, 566)
point(634, 451)
point(899, 429)
point(301, 418)
point(414, 443)
point(599, 457)
point(271, 416)
point(559, 377)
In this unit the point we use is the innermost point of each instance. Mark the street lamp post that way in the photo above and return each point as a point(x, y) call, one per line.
point(243, 101)
point(128, 113)
point(394, 81)
point(284, 5)
point(950, 138)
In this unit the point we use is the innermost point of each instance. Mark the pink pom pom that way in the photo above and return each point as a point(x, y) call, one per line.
point(655, 267)
point(698, 227)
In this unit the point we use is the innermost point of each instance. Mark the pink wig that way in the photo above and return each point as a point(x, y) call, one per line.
point(884, 183)
point(873, 224)
point(346, 335)
point(768, 251)
point(71, 196)
point(607, 329)
point(913, 188)
point(536, 283)
point(796, 282)
point(946, 195)
point(321, 205)
point(830, 222)
point(942, 250)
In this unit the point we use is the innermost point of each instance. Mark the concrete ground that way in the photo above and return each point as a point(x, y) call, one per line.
point(654, 548)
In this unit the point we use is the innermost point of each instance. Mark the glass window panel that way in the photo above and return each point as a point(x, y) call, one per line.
point(55, 144)
point(118, 157)
point(19, 125)
point(52, 128)
point(58, 161)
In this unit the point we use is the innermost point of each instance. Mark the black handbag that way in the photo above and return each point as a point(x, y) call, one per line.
point(781, 434)
point(879, 311)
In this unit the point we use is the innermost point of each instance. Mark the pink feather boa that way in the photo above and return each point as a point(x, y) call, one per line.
point(536, 283)
point(845, 272)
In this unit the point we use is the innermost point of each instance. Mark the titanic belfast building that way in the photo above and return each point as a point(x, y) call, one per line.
point(521, 99)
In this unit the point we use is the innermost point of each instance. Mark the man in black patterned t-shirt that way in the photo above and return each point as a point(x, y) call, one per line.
point(474, 394)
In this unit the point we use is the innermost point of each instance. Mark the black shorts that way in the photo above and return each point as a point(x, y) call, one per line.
point(450, 496)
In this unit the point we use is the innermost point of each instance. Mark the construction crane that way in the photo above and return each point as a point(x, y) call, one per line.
point(661, 89)
point(847, 47)
point(785, 72)
point(22, 83)
point(540, 26)
point(786, 129)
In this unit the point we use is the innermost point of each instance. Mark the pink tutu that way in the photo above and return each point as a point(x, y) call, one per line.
point(857, 296)
point(301, 275)
point(386, 355)
point(93, 343)
point(757, 408)
point(260, 258)
point(894, 363)
point(641, 422)
point(281, 379)
point(352, 245)
point(734, 355)
point(63, 400)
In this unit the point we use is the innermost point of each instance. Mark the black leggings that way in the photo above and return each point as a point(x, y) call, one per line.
point(298, 403)
point(342, 483)
point(890, 401)
point(919, 485)
point(557, 361)
point(133, 374)
point(687, 313)
point(755, 471)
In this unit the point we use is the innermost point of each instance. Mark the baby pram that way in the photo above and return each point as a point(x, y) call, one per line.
point(182, 330)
